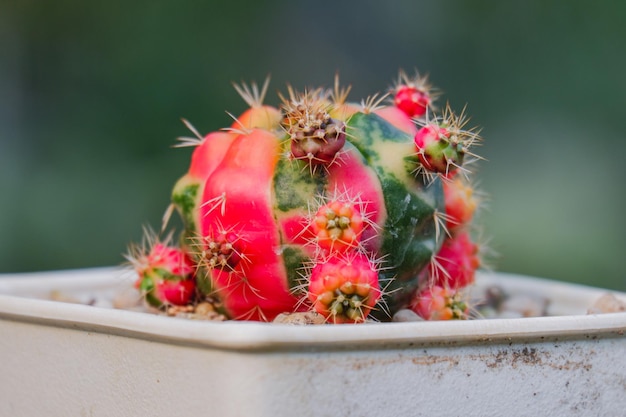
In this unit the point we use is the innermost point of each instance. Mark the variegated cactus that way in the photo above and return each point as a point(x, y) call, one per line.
point(349, 210)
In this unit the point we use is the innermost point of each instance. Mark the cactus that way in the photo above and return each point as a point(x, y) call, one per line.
point(325, 205)
point(165, 273)
point(344, 288)
point(439, 303)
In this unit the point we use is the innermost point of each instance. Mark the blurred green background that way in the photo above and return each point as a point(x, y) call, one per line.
point(91, 95)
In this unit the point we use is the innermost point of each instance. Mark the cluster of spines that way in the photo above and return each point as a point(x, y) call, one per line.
point(314, 135)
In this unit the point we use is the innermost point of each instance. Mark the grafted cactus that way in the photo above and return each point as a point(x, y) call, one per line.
point(321, 204)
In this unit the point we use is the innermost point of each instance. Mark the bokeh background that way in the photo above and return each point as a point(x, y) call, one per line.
point(91, 95)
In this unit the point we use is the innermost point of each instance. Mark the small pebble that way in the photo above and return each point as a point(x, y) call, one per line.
point(179, 310)
point(206, 311)
point(202, 311)
point(205, 308)
point(608, 303)
point(303, 318)
point(210, 316)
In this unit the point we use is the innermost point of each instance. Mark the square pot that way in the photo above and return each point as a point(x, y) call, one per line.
point(62, 359)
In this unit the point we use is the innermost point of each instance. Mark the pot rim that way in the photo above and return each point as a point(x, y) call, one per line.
point(254, 336)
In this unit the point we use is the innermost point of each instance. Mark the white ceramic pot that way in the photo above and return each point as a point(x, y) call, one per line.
point(61, 359)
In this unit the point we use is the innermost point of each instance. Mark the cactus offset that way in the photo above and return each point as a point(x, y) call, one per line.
point(320, 205)
point(443, 144)
point(413, 96)
point(165, 273)
point(344, 289)
point(440, 303)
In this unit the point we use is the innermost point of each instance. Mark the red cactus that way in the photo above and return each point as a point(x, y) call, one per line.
point(229, 199)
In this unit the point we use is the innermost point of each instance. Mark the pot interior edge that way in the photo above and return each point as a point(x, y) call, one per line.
point(246, 336)
point(271, 337)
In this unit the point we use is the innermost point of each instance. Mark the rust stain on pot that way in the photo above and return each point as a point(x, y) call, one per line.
point(536, 357)
point(579, 359)
point(432, 360)
point(525, 356)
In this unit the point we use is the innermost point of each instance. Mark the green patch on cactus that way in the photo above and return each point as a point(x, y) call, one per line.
point(147, 287)
point(295, 260)
point(408, 218)
point(184, 198)
point(409, 228)
point(294, 185)
point(166, 275)
point(204, 282)
point(409, 239)
point(371, 130)
point(385, 147)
